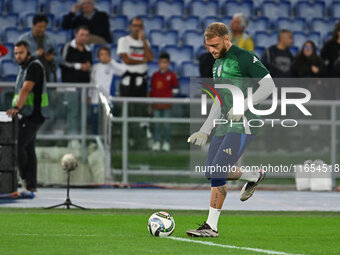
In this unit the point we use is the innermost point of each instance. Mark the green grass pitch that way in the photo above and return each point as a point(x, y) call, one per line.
point(59, 232)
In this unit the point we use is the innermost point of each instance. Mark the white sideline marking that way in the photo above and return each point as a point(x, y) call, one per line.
point(51, 235)
point(231, 246)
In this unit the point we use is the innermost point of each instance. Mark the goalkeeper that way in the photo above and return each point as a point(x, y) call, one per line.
point(242, 67)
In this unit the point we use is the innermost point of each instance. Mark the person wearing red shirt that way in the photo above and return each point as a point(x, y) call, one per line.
point(164, 83)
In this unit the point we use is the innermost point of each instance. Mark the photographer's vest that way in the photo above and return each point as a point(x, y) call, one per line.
point(27, 109)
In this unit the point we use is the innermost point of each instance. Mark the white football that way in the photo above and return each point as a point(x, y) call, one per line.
point(161, 224)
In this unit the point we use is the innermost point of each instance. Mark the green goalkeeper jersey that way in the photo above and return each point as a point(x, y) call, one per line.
point(243, 69)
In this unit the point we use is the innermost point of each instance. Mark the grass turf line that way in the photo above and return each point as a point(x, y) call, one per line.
point(38, 231)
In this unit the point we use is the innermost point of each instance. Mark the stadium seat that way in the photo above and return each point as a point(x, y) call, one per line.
point(259, 24)
point(200, 51)
point(59, 7)
point(309, 10)
point(161, 38)
point(294, 50)
point(9, 70)
point(131, 8)
point(153, 23)
point(28, 20)
point(10, 54)
point(294, 25)
point(208, 20)
point(322, 26)
point(155, 51)
point(299, 39)
point(265, 39)
point(181, 24)
point(335, 9)
point(189, 69)
point(259, 51)
point(184, 86)
point(60, 36)
point(226, 20)
point(315, 37)
point(274, 10)
point(167, 9)
point(193, 38)
point(152, 67)
point(114, 54)
point(179, 54)
point(203, 9)
point(229, 8)
point(327, 37)
point(9, 20)
point(11, 35)
point(104, 6)
point(117, 33)
point(118, 22)
point(24, 6)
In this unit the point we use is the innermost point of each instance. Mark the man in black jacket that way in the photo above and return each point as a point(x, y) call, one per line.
point(96, 21)
point(75, 68)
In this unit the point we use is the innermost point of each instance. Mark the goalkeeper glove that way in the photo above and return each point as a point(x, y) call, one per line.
point(199, 138)
point(233, 117)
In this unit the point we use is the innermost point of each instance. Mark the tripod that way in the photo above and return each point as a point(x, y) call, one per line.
point(67, 202)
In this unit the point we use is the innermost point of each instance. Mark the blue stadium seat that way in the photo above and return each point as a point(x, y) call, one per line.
point(203, 9)
point(167, 9)
point(179, 54)
point(10, 20)
point(155, 51)
point(322, 26)
point(118, 22)
point(117, 33)
point(10, 54)
point(114, 52)
point(9, 70)
point(257, 3)
point(309, 10)
point(229, 8)
point(23, 6)
point(11, 35)
point(299, 39)
point(104, 6)
point(274, 10)
point(264, 39)
point(200, 51)
point(193, 38)
point(294, 50)
point(132, 8)
point(335, 9)
point(189, 69)
point(184, 86)
point(28, 20)
point(315, 37)
point(294, 25)
point(181, 24)
point(59, 7)
point(161, 38)
point(153, 23)
point(152, 67)
point(208, 20)
point(259, 51)
point(259, 24)
point(226, 20)
point(327, 37)
point(60, 36)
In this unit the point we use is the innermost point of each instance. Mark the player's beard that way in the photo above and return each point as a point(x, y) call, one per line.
point(222, 52)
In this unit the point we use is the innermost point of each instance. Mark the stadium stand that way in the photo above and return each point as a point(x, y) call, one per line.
point(203, 9)
point(161, 38)
point(134, 8)
point(167, 9)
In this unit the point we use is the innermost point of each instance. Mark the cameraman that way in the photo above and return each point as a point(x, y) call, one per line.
point(31, 101)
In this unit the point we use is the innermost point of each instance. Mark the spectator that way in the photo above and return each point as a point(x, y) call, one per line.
point(75, 68)
point(135, 51)
point(42, 46)
point(307, 63)
point(101, 76)
point(206, 62)
point(238, 36)
point(97, 21)
point(278, 59)
point(330, 53)
point(163, 84)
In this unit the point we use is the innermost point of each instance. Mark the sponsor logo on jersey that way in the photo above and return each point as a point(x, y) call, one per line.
point(255, 59)
point(228, 151)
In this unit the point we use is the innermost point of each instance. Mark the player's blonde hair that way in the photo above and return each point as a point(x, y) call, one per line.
point(216, 29)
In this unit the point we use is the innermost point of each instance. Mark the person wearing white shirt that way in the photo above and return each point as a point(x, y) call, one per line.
point(101, 76)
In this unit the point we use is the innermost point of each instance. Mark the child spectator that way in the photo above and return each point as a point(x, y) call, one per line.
point(163, 84)
point(101, 76)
